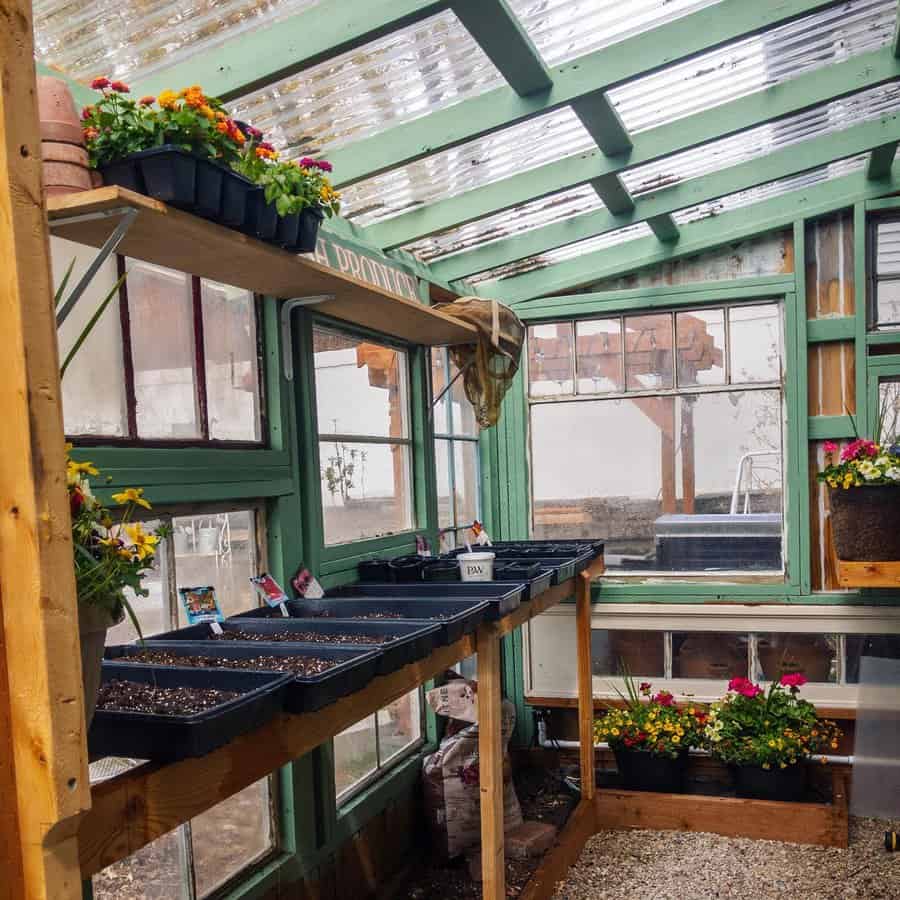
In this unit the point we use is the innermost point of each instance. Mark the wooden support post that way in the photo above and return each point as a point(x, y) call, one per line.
point(43, 759)
point(585, 684)
point(490, 752)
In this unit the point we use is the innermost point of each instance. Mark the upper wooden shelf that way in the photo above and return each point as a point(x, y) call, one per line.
point(178, 240)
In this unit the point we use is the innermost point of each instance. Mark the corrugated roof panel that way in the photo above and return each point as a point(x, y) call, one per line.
point(522, 218)
point(752, 64)
point(472, 165)
point(757, 142)
point(560, 254)
point(398, 78)
point(564, 29)
point(134, 38)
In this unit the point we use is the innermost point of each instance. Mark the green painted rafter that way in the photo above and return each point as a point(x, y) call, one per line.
point(640, 54)
point(739, 224)
point(265, 55)
point(611, 190)
point(880, 160)
point(895, 42)
point(602, 123)
point(791, 160)
point(857, 73)
point(505, 42)
point(664, 227)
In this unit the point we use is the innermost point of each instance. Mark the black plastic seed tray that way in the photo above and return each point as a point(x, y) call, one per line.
point(502, 597)
point(454, 617)
point(166, 738)
point(400, 642)
point(354, 666)
point(534, 578)
point(561, 569)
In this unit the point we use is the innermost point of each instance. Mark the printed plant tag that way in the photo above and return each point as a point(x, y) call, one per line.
point(482, 538)
point(200, 604)
point(422, 547)
point(216, 628)
point(268, 590)
point(284, 610)
point(306, 585)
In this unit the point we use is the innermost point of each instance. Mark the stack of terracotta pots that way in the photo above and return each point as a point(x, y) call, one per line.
point(62, 144)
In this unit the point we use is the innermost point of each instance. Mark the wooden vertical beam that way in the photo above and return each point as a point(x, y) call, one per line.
point(44, 786)
point(585, 684)
point(490, 752)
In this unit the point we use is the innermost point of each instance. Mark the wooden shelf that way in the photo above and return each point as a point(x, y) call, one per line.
point(132, 809)
point(874, 574)
point(178, 240)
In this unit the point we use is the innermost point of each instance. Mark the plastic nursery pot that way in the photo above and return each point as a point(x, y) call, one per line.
point(261, 220)
point(310, 220)
point(441, 570)
point(645, 771)
point(287, 230)
point(770, 784)
point(865, 522)
point(236, 191)
point(406, 568)
point(125, 173)
point(476, 566)
point(374, 570)
point(170, 175)
point(208, 198)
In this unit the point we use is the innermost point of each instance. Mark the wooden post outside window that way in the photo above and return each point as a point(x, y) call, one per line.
point(43, 758)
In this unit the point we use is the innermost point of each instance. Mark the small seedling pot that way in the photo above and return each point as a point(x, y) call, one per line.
point(406, 568)
point(261, 221)
point(170, 175)
point(310, 220)
point(236, 192)
point(208, 199)
point(125, 173)
point(476, 566)
point(288, 230)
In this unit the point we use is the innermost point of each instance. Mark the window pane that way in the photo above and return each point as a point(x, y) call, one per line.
point(638, 653)
point(888, 312)
point(669, 508)
point(889, 407)
point(366, 490)
point(355, 755)
point(707, 654)
point(814, 655)
point(446, 516)
point(232, 835)
point(701, 347)
point(360, 386)
point(399, 726)
point(886, 646)
point(598, 345)
point(217, 549)
point(465, 472)
point(439, 380)
point(754, 343)
point(232, 374)
point(94, 385)
point(463, 413)
point(648, 352)
point(156, 872)
point(163, 351)
point(888, 248)
point(551, 359)
point(153, 612)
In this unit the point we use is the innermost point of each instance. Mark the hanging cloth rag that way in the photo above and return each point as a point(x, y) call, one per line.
point(489, 365)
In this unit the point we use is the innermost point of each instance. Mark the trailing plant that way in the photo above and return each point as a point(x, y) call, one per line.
point(772, 729)
point(651, 722)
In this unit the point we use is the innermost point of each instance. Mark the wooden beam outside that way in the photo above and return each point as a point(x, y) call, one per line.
point(43, 758)
point(506, 43)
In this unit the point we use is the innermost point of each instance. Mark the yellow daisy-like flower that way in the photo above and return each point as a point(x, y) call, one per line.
point(676, 739)
point(167, 99)
point(81, 468)
point(615, 732)
point(131, 495)
point(144, 544)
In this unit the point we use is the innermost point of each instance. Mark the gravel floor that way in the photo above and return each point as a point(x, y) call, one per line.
point(668, 865)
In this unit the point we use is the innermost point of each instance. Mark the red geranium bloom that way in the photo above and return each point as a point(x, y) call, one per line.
point(147, 101)
point(793, 680)
point(644, 687)
point(98, 84)
point(120, 87)
point(664, 698)
point(323, 165)
point(745, 687)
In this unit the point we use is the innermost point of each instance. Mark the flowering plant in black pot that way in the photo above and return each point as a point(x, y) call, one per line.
point(650, 737)
point(766, 736)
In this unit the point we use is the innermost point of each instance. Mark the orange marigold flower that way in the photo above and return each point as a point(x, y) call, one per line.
point(238, 136)
point(220, 116)
point(222, 127)
point(207, 112)
point(167, 99)
point(90, 133)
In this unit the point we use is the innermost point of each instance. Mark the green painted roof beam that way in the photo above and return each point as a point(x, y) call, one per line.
point(895, 43)
point(858, 73)
point(665, 228)
point(263, 56)
point(758, 218)
point(880, 160)
point(603, 123)
point(506, 43)
point(640, 54)
point(799, 157)
point(613, 193)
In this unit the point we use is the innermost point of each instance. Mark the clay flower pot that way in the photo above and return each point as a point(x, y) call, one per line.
point(65, 160)
point(59, 118)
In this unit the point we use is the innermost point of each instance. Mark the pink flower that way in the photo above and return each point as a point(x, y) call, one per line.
point(306, 162)
point(323, 165)
point(98, 84)
point(856, 449)
point(744, 687)
point(793, 680)
point(147, 101)
point(120, 87)
point(664, 698)
point(830, 447)
point(255, 133)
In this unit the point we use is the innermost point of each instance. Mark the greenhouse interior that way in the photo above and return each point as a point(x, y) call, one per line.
point(453, 452)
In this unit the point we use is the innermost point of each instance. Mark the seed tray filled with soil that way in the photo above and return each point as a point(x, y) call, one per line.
point(455, 617)
point(322, 673)
point(167, 713)
point(400, 642)
point(502, 598)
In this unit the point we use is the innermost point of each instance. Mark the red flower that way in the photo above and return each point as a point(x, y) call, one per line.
point(793, 680)
point(98, 84)
point(856, 449)
point(306, 162)
point(323, 165)
point(120, 87)
point(147, 101)
point(830, 447)
point(76, 501)
point(644, 687)
point(87, 112)
point(664, 698)
point(744, 687)
point(255, 133)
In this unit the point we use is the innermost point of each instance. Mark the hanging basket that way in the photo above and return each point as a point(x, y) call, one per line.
point(865, 523)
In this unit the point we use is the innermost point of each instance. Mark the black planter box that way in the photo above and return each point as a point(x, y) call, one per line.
point(261, 220)
point(442, 570)
point(644, 771)
point(208, 199)
point(170, 176)
point(236, 192)
point(125, 173)
point(399, 642)
point(310, 220)
point(375, 570)
point(454, 617)
point(354, 667)
point(502, 598)
point(287, 232)
point(770, 784)
point(169, 738)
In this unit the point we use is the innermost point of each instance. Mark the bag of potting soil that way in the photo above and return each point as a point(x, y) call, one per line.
point(457, 699)
point(452, 796)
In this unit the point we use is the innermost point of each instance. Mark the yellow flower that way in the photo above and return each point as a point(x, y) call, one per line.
point(676, 739)
point(167, 99)
point(208, 112)
point(615, 732)
point(131, 495)
point(771, 743)
point(766, 766)
point(144, 544)
point(81, 468)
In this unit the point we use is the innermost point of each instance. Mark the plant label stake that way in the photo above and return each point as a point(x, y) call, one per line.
point(306, 585)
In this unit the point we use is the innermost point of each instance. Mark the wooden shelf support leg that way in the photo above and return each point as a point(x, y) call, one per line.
point(585, 684)
point(490, 752)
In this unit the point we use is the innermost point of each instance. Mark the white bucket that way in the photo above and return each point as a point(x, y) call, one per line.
point(476, 566)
